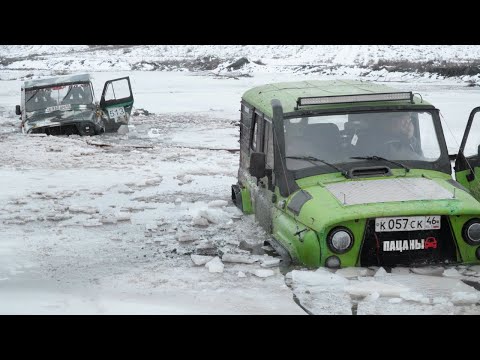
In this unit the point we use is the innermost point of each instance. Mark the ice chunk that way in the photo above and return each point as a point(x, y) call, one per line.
point(372, 297)
point(215, 265)
point(270, 263)
point(200, 259)
point(395, 300)
point(214, 216)
point(58, 217)
point(126, 190)
point(151, 226)
point(108, 220)
point(351, 272)
point(364, 288)
point(452, 273)
point(92, 223)
point(400, 270)
point(122, 130)
point(321, 277)
point(475, 268)
point(185, 237)
point(123, 217)
point(217, 203)
point(236, 258)
point(441, 301)
point(380, 273)
point(153, 181)
point(199, 221)
point(414, 296)
point(465, 298)
point(83, 209)
point(263, 273)
point(428, 270)
point(241, 274)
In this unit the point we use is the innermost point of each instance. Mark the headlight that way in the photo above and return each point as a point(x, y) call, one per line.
point(471, 232)
point(340, 240)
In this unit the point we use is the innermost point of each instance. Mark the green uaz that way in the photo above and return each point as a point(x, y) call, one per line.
point(350, 173)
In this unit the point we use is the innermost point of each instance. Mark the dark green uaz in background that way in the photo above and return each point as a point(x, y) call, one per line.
point(66, 105)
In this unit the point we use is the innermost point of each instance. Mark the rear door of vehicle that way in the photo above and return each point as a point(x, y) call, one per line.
point(116, 103)
point(467, 164)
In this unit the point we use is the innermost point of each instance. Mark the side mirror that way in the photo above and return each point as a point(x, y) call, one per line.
point(17, 110)
point(478, 150)
point(257, 165)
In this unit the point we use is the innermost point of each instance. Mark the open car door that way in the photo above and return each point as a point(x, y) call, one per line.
point(116, 103)
point(467, 164)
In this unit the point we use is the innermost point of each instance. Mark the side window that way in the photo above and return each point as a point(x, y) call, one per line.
point(428, 140)
point(471, 146)
point(255, 140)
point(245, 124)
point(268, 144)
point(253, 136)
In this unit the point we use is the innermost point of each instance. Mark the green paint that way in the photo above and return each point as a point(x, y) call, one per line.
point(246, 202)
point(473, 186)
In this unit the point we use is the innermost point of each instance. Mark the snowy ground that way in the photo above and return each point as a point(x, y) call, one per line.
point(143, 222)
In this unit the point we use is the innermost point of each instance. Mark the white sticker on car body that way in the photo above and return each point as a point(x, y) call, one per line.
point(116, 112)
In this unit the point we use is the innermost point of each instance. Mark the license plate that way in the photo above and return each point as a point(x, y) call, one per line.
point(58, 107)
point(116, 112)
point(407, 223)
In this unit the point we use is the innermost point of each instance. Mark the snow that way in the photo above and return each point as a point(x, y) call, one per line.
point(127, 223)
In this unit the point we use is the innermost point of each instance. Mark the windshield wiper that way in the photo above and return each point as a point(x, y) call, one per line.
point(379, 158)
point(312, 160)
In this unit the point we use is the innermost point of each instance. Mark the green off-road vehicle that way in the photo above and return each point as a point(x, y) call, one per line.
point(350, 173)
point(66, 105)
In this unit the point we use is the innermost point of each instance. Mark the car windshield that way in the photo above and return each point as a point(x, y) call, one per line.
point(399, 136)
point(71, 94)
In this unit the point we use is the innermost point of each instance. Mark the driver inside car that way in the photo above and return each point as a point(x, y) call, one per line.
point(398, 140)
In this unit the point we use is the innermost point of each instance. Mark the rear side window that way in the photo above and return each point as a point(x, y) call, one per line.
point(245, 125)
point(254, 139)
point(268, 144)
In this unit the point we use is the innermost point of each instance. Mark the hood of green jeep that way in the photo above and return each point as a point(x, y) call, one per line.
point(326, 200)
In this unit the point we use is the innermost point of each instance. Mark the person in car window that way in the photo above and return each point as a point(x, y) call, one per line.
point(398, 140)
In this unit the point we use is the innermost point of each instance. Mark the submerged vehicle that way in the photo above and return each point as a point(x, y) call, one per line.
point(352, 173)
point(66, 105)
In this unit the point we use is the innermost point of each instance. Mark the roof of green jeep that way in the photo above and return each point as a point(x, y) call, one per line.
point(288, 92)
point(57, 80)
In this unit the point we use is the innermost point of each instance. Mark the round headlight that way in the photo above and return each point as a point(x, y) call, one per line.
point(471, 232)
point(340, 240)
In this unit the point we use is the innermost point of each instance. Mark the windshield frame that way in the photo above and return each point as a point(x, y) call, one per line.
point(442, 164)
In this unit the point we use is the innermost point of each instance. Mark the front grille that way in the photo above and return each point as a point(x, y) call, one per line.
point(438, 246)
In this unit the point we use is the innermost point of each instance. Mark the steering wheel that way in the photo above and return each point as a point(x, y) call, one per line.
point(389, 146)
